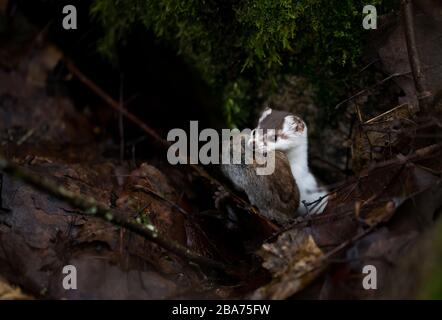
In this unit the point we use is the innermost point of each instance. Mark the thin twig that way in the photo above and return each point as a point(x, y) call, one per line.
point(329, 163)
point(370, 88)
point(345, 244)
point(174, 205)
point(121, 120)
point(384, 114)
point(369, 65)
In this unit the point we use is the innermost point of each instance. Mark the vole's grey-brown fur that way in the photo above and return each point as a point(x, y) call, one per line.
point(276, 195)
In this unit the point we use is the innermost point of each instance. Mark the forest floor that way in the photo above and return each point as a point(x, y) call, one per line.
point(136, 227)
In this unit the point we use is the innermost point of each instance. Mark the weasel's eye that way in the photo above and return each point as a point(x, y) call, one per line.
point(252, 133)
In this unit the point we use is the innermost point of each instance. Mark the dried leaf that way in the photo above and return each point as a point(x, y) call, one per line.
point(294, 260)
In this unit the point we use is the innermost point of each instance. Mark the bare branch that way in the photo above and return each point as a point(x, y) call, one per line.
point(94, 208)
point(114, 104)
point(424, 95)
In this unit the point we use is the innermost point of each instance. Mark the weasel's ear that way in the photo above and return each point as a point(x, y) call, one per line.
point(295, 124)
point(300, 126)
point(264, 114)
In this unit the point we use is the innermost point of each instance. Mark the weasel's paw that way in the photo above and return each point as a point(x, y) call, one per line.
point(220, 196)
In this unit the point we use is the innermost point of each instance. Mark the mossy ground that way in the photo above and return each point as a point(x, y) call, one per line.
point(238, 45)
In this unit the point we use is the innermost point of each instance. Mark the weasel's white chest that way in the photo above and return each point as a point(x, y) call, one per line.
point(309, 190)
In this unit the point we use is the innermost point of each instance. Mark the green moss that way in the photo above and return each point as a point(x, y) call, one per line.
point(237, 45)
point(432, 284)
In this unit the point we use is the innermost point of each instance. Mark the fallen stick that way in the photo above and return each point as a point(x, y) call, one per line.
point(92, 207)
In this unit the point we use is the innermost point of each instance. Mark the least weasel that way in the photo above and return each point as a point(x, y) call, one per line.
point(283, 131)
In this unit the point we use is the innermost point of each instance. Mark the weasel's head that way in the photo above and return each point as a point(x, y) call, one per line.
point(278, 130)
